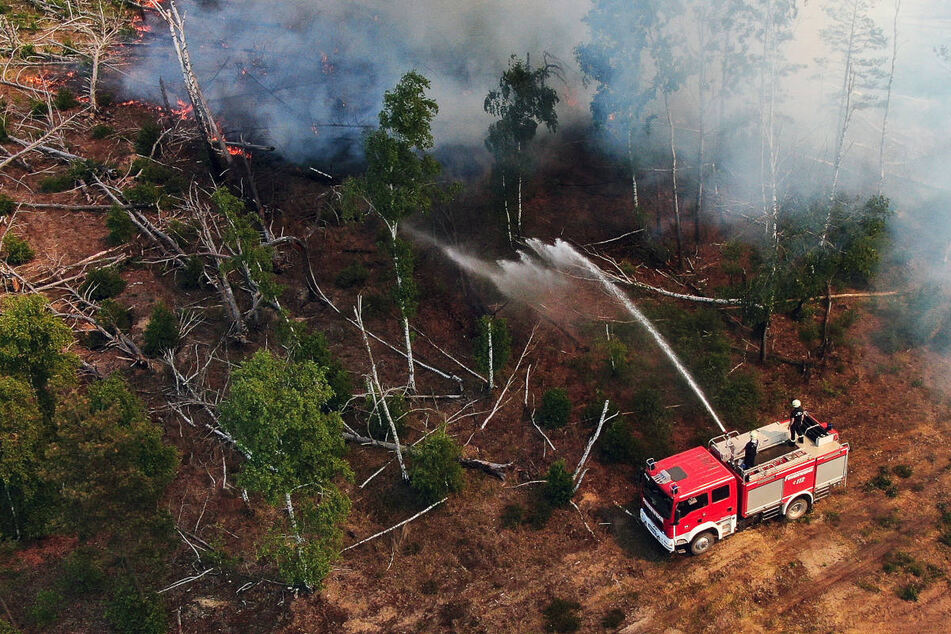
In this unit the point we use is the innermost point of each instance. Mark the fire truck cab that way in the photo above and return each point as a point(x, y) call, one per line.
point(699, 496)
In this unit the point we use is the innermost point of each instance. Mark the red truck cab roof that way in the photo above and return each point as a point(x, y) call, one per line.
point(689, 472)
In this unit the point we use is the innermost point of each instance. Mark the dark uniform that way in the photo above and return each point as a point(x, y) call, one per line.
point(749, 457)
point(797, 424)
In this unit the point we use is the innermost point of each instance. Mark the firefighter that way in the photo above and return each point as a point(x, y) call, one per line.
point(749, 455)
point(797, 422)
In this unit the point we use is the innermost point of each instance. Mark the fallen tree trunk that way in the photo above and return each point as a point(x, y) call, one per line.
point(494, 469)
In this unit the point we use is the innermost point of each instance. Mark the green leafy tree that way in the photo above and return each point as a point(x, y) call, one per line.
point(276, 414)
point(33, 345)
point(110, 463)
point(493, 346)
point(400, 180)
point(132, 611)
point(22, 441)
point(521, 103)
point(434, 468)
point(162, 332)
point(304, 344)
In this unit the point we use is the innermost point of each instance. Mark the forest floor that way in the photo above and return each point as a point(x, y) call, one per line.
point(459, 567)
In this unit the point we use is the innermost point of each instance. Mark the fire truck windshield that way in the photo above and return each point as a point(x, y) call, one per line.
point(658, 500)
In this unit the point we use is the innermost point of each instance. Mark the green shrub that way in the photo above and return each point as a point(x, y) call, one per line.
point(191, 276)
point(153, 172)
point(147, 137)
point(613, 619)
point(4, 133)
point(162, 332)
point(561, 615)
point(115, 317)
point(39, 108)
point(28, 50)
point(120, 226)
point(45, 609)
point(559, 487)
point(144, 194)
point(512, 516)
point(65, 99)
point(6, 628)
point(378, 426)
point(555, 408)
point(81, 574)
point(352, 276)
point(738, 399)
point(101, 131)
point(909, 592)
point(902, 471)
point(56, 183)
point(618, 445)
point(17, 250)
point(133, 612)
point(434, 468)
point(653, 419)
point(7, 205)
point(102, 284)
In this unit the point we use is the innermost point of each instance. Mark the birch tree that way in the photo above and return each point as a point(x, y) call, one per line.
point(521, 103)
point(856, 42)
point(400, 180)
point(614, 60)
point(276, 413)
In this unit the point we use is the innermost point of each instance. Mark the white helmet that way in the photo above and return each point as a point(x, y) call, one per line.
point(796, 403)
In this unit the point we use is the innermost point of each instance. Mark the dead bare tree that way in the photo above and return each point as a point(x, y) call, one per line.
point(203, 114)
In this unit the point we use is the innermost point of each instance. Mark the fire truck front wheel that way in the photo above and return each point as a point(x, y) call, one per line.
point(702, 543)
point(797, 508)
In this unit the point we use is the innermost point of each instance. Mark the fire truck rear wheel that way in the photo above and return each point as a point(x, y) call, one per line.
point(797, 508)
point(702, 543)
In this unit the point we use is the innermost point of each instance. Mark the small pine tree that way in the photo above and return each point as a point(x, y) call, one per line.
point(555, 408)
point(7, 204)
point(120, 226)
point(102, 284)
point(434, 466)
point(163, 332)
point(133, 611)
point(17, 250)
point(559, 488)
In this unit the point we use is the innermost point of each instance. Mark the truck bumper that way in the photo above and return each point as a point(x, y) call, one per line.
point(665, 541)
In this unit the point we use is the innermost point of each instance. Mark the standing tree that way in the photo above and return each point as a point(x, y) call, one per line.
point(856, 41)
point(22, 440)
point(522, 101)
point(493, 346)
point(401, 180)
point(32, 347)
point(109, 463)
point(613, 60)
point(276, 413)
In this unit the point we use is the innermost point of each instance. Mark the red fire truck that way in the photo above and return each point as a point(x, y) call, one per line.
point(694, 498)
